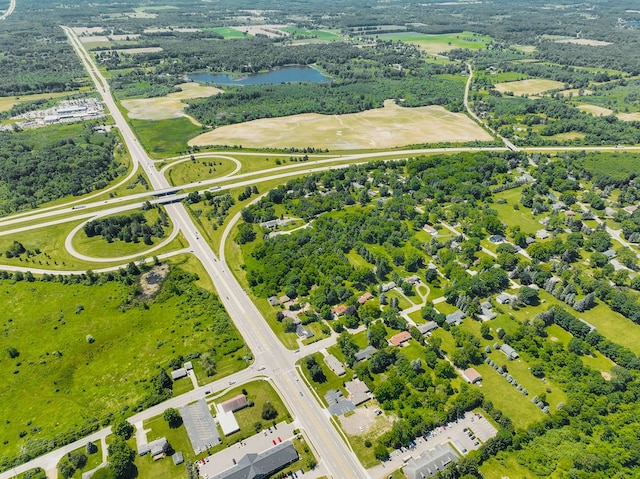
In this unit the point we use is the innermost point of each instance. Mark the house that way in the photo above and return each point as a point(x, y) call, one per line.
point(269, 224)
point(179, 373)
point(487, 312)
point(265, 464)
point(413, 279)
point(399, 339)
point(628, 209)
point(509, 352)
point(529, 240)
point(365, 297)
point(387, 286)
point(178, 458)
point(558, 206)
point(304, 333)
point(273, 301)
point(284, 299)
point(610, 254)
point(159, 446)
point(430, 229)
point(234, 404)
point(429, 463)
point(336, 366)
point(365, 353)
point(358, 391)
point(544, 221)
point(188, 366)
point(455, 318)
point(339, 310)
point(495, 239)
point(505, 298)
point(427, 327)
point(542, 234)
point(608, 211)
point(471, 376)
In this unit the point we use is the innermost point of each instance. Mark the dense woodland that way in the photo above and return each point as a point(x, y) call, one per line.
point(36, 168)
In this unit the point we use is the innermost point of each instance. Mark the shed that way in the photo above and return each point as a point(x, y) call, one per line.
point(471, 376)
point(509, 352)
point(188, 365)
point(178, 373)
point(178, 458)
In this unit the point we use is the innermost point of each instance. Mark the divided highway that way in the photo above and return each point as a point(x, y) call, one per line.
point(336, 457)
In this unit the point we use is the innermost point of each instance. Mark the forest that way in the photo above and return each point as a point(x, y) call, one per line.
point(69, 160)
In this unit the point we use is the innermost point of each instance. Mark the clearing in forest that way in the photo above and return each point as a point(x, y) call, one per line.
point(629, 116)
point(595, 110)
point(169, 106)
point(387, 127)
point(441, 43)
point(532, 86)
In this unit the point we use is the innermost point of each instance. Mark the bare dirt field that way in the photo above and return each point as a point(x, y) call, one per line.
point(595, 110)
point(532, 86)
point(80, 31)
point(386, 127)
point(629, 116)
point(167, 107)
point(364, 419)
point(95, 39)
point(133, 51)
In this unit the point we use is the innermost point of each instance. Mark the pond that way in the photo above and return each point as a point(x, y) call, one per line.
point(290, 74)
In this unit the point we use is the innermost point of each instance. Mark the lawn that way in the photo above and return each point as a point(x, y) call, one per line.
point(388, 127)
point(505, 465)
point(60, 380)
point(199, 169)
point(613, 326)
point(333, 381)
point(165, 138)
point(93, 460)
point(304, 33)
point(511, 217)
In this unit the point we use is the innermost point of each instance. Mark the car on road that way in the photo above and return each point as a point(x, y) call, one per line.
point(262, 368)
point(231, 383)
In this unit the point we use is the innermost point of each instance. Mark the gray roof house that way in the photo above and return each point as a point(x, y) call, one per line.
point(154, 447)
point(336, 366)
point(303, 332)
point(505, 298)
point(365, 353)
point(387, 286)
point(431, 462)
point(509, 352)
point(427, 327)
point(358, 391)
point(610, 254)
point(455, 318)
point(265, 464)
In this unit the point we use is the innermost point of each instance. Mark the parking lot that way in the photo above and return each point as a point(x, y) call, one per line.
point(223, 460)
point(477, 427)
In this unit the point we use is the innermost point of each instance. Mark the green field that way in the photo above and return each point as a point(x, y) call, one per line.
point(200, 169)
point(304, 33)
point(165, 138)
point(60, 380)
point(442, 42)
point(228, 32)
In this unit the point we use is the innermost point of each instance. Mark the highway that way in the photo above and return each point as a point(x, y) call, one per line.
point(12, 7)
point(336, 457)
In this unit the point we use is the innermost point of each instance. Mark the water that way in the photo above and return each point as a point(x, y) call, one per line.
point(292, 74)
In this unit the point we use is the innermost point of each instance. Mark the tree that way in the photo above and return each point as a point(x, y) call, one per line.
point(13, 352)
point(173, 418)
point(269, 412)
point(122, 428)
point(529, 296)
point(377, 334)
point(65, 468)
point(381, 452)
point(91, 448)
point(485, 330)
point(444, 370)
point(121, 458)
point(317, 374)
point(246, 234)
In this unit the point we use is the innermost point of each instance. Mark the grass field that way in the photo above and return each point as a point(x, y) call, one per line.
point(190, 171)
point(60, 380)
point(511, 217)
point(595, 110)
point(387, 127)
point(165, 138)
point(441, 43)
point(169, 106)
point(228, 32)
point(629, 116)
point(98, 247)
point(531, 86)
point(304, 33)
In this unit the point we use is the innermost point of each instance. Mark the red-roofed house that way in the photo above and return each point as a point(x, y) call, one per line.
point(339, 310)
point(365, 297)
point(399, 339)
